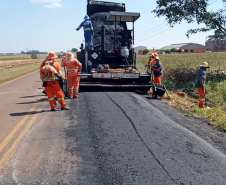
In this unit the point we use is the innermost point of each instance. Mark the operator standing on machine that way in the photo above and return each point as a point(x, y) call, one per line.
point(88, 32)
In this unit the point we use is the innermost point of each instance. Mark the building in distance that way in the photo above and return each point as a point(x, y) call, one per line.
point(189, 47)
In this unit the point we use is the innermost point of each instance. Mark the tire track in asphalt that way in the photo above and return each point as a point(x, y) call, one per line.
point(136, 131)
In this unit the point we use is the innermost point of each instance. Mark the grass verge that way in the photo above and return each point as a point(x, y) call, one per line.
point(13, 73)
point(179, 76)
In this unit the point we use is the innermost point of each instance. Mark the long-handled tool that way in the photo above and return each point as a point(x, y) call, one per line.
point(65, 83)
point(206, 104)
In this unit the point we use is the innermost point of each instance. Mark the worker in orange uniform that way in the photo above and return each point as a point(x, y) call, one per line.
point(51, 76)
point(200, 83)
point(151, 60)
point(158, 71)
point(73, 69)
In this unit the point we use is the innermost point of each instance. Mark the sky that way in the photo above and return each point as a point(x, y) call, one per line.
point(49, 25)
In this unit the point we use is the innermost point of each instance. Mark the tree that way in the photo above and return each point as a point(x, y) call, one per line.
point(186, 50)
point(145, 51)
point(179, 50)
point(191, 50)
point(167, 51)
point(34, 56)
point(173, 50)
point(192, 11)
point(74, 50)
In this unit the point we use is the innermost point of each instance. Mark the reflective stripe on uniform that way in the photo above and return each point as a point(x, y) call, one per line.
point(86, 44)
point(59, 72)
point(79, 64)
point(202, 99)
point(75, 89)
point(88, 29)
point(71, 70)
point(91, 44)
point(50, 99)
point(60, 99)
point(70, 89)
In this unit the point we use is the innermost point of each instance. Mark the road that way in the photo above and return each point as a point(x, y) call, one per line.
point(106, 138)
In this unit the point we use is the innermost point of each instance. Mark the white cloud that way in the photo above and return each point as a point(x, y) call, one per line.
point(53, 5)
point(45, 1)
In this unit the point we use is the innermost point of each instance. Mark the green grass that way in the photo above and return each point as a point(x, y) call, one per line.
point(12, 73)
point(179, 74)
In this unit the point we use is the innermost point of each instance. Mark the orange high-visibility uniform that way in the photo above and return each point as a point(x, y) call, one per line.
point(151, 62)
point(73, 69)
point(53, 88)
point(201, 97)
point(158, 80)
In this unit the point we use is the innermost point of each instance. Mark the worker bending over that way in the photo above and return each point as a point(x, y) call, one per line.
point(88, 32)
point(73, 69)
point(158, 71)
point(200, 83)
point(51, 76)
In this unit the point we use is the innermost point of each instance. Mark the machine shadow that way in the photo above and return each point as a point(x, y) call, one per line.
point(113, 89)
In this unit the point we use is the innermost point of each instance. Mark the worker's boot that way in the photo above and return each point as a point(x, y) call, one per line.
point(65, 108)
point(75, 95)
point(70, 94)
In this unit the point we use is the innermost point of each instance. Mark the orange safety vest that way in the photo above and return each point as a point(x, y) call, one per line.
point(72, 65)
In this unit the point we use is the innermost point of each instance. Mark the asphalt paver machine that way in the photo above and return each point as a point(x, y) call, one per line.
point(112, 63)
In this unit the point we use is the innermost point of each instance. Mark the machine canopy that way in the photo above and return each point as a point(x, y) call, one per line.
point(122, 16)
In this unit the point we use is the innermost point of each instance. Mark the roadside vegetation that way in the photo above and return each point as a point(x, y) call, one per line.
point(12, 67)
point(179, 76)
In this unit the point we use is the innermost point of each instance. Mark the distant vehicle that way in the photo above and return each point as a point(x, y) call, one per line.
point(208, 51)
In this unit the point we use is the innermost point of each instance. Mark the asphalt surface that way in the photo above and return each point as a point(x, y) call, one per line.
point(106, 138)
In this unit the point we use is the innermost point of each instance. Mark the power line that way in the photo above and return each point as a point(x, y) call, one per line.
point(154, 35)
point(152, 32)
point(212, 2)
point(150, 29)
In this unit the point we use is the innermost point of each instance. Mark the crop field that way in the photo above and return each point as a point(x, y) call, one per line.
point(15, 66)
point(179, 76)
point(7, 62)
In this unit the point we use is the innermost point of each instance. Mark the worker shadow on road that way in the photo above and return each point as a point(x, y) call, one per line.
point(28, 113)
point(37, 101)
point(31, 96)
point(28, 102)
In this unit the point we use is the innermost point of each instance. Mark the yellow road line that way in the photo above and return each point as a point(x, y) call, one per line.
point(16, 144)
point(13, 132)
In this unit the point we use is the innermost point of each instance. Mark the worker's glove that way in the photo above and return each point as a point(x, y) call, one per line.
point(76, 29)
